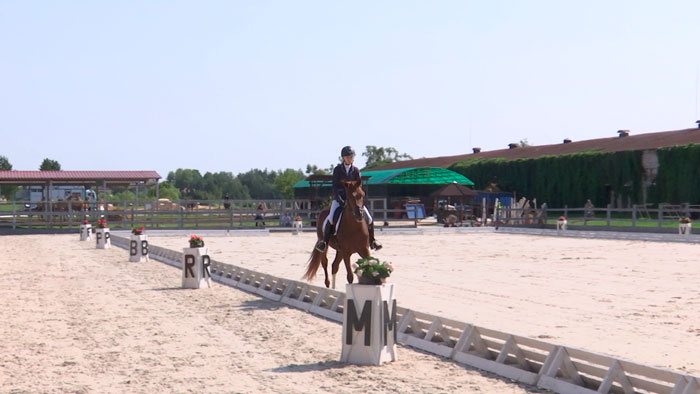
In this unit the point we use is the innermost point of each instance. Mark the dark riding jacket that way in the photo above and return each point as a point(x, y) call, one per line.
point(340, 175)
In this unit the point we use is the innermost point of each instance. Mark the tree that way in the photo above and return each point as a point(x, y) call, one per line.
point(219, 184)
point(124, 195)
point(377, 156)
point(286, 180)
point(5, 164)
point(186, 180)
point(312, 169)
point(260, 183)
point(49, 165)
point(7, 190)
point(165, 190)
point(212, 186)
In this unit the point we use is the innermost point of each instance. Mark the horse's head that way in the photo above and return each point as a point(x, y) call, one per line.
point(356, 198)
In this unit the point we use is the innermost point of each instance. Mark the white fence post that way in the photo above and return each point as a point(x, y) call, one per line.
point(195, 268)
point(102, 238)
point(369, 324)
point(138, 248)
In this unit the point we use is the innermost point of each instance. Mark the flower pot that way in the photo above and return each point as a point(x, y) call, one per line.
point(369, 325)
point(102, 238)
point(297, 227)
point(561, 225)
point(685, 228)
point(195, 268)
point(85, 230)
point(362, 280)
point(138, 248)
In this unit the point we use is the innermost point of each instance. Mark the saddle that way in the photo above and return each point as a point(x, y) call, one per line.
point(337, 216)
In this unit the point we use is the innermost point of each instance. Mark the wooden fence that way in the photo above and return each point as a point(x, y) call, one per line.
point(222, 214)
point(233, 214)
point(665, 215)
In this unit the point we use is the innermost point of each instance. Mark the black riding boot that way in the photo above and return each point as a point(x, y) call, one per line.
point(373, 242)
point(327, 232)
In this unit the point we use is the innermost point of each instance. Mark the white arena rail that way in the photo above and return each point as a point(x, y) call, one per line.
point(559, 368)
point(622, 235)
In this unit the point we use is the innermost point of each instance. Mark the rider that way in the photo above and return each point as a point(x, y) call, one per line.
point(344, 171)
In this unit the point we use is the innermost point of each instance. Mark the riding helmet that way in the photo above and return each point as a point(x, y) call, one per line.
point(347, 151)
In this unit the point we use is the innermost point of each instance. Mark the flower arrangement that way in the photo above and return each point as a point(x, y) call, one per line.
point(684, 220)
point(562, 218)
point(138, 230)
point(101, 223)
point(371, 271)
point(196, 241)
point(86, 222)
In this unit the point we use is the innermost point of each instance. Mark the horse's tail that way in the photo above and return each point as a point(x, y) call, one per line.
point(314, 262)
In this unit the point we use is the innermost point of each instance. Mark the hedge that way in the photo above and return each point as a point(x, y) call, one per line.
point(563, 179)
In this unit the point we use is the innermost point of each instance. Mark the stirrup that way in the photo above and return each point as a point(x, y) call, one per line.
point(321, 246)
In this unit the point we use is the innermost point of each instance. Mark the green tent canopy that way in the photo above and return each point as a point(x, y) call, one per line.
point(403, 176)
point(417, 176)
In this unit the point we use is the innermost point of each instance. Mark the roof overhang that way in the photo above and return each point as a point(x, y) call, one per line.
point(122, 178)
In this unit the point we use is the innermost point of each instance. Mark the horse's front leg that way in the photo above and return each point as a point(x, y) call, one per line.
point(364, 253)
point(346, 258)
point(324, 263)
point(335, 266)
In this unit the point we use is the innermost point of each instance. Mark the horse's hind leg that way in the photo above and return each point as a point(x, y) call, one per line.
point(324, 263)
point(335, 266)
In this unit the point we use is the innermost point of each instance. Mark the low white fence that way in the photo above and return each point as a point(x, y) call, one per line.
point(621, 235)
point(556, 367)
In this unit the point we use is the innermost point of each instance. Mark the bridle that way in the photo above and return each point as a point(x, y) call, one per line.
point(356, 202)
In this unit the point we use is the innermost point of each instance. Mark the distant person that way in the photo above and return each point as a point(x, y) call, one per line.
point(259, 216)
point(285, 220)
point(345, 171)
point(587, 211)
point(227, 201)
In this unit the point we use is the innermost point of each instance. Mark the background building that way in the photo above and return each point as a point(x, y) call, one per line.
point(627, 169)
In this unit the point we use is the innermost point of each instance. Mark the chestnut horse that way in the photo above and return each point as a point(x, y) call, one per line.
point(352, 235)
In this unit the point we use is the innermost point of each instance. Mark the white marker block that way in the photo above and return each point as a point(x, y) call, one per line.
point(195, 268)
point(561, 225)
point(369, 324)
point(297, 226)
point(85, 230)
point(138, 248)
point(685, 228)
point(102, 238)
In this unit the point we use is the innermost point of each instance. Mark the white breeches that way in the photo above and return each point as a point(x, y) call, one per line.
point(335, 205)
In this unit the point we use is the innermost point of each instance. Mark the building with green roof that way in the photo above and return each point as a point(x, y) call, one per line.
point(397, 186)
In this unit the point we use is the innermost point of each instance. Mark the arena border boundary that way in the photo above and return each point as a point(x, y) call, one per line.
point(613, 235)
point(562, 369)
point(571, 233)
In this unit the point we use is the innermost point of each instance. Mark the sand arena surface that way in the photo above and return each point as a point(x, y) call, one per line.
point(630, 299)
point(81, 320)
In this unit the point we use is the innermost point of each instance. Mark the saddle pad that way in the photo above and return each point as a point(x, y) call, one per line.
point(337, 223)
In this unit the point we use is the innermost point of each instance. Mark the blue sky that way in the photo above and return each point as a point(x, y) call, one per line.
point(235, 85)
